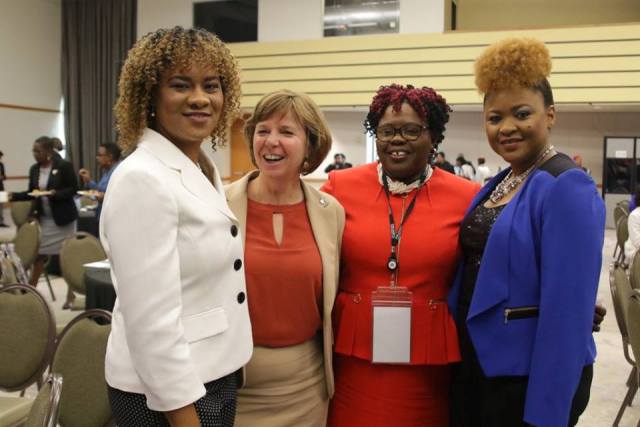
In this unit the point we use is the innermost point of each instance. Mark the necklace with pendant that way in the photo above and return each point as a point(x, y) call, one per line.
point(510, 182)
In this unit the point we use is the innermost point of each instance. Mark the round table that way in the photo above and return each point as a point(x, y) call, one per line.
point(100, 291)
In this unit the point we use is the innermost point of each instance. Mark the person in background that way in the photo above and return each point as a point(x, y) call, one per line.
point(339, 162)
point(464, 168)
point(483, 173)
point(289, 224)
point(57, 147)
point(578, 161)
point(632, 244)
point(3, 176)
point(525, 290)
point(53, 185)
point(108, 159)
point(180, 329)
point(442, 163)
point(395, 210)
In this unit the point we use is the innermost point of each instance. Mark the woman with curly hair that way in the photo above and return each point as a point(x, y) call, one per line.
point(400, 247)
point(532, 241)
point(180, 327)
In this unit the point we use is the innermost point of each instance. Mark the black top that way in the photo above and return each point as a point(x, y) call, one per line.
point(558, 164)
point(337, 166)
point(62, 179)
point(446, 166)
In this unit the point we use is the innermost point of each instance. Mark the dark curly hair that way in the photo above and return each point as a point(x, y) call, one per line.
point(162, 50)
point(430, 106)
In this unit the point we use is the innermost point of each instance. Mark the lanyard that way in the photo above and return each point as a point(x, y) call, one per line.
point(396, 234)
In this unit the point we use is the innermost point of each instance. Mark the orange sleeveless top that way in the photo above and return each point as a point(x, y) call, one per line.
point(284, 281)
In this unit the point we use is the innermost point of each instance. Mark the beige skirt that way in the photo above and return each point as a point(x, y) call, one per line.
point(284, 387)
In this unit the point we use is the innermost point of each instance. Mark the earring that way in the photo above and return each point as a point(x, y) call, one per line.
point(432, 155)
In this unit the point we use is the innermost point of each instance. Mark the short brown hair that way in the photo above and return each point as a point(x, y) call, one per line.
point(162, 50)
point(307, 113)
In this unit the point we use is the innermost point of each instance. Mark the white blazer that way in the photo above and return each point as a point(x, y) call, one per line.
point(181, 316)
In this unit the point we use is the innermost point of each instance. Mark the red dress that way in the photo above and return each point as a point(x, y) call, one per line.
point(400, 395)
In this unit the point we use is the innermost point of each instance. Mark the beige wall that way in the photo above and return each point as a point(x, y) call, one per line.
point(30, 44)
point(476, 15)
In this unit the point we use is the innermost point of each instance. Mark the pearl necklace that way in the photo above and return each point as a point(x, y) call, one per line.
point(399, 187)
point(510, 182)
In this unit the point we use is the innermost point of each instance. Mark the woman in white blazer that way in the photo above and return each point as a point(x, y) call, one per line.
point(180, 327)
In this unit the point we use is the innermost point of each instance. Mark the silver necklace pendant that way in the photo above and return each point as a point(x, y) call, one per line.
point(510, 182)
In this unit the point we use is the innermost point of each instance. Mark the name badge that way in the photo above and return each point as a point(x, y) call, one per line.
point(391, 325)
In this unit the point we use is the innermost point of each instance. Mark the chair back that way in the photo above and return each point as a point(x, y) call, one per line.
point(27, 335)
point(27, 243)
point(620, 211)
point(620, 293)
point(634, 271)
point(76, 251)
point(633, 324)
point(79, 359)
point(622, 231)
point(624, 204)
point(20, 212)
point(44, 411)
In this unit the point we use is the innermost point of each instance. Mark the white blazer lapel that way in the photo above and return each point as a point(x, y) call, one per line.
point(190, 174)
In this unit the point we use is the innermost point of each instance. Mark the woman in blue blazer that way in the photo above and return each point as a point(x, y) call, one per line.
point(532, 241)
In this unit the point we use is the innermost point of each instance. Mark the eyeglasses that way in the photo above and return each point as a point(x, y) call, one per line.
point(408, 132)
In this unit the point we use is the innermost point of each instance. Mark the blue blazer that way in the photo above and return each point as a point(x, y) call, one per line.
point(544, 250)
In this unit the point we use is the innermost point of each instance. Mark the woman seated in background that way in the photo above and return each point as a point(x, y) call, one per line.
point(108, 159)
point(402, 223)
point(532, 249)
point(632, 244)
point(292, 236)
point(180, 327)
point(54, 208)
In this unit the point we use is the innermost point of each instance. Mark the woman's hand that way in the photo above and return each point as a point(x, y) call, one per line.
point(183, 417)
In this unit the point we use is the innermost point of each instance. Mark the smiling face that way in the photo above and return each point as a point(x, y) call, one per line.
point(279, 146)
point(188, 105)
point(517, 125)
point(403, 160)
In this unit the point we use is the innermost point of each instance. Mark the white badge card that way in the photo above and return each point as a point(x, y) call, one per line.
point(391, 325)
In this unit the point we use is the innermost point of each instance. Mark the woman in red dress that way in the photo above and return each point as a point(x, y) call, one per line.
point(402, 223)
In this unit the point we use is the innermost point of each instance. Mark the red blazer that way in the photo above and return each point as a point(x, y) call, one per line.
point(428, 256)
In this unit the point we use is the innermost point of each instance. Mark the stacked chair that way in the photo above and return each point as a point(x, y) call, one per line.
point(633, 324)
point(27, 340)
point(622, 234)
point(621, 292)
point(75, 391)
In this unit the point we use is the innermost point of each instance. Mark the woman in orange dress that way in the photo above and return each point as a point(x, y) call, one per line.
point(421, 207)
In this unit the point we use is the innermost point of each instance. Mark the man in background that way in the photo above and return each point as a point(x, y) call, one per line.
point(442, 163)
point(339, 162)
point(483, 173)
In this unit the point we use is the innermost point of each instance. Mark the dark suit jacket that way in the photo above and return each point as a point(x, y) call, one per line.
point(63, 180)
point(544, 250)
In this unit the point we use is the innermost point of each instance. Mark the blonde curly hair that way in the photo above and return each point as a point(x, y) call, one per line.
point(162, 50)
point(514, 62)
